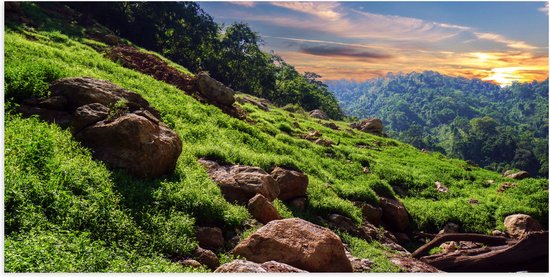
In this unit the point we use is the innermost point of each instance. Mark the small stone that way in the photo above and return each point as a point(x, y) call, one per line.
point(210, 237)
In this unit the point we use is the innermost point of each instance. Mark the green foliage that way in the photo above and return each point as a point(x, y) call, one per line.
point(28, 80)
point(373, 251)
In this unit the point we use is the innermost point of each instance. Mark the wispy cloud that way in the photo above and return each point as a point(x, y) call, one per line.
point(544, 9)
point(324, 10)
point(248, 4)
point(343, 51)
point(501, 39)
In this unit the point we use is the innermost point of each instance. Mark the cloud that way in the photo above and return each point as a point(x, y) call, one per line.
point(544, 9)
point(324, 10)
point(342, 51)
point(501, 39)
point(248, 4)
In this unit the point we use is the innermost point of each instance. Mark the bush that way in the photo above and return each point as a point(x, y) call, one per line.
point(29, 79)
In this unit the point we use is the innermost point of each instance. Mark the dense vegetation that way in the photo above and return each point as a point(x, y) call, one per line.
point(65, 211)
point(184, 33)
point(497, 128)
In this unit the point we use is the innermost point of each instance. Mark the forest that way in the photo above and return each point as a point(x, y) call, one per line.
point(496, 127)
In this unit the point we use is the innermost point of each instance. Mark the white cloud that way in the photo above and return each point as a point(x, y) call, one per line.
point(324, 10)
point(248, 4)
point(544, 9)
point(517, 44)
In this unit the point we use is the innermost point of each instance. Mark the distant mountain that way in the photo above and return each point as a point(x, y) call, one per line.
point(498, 128)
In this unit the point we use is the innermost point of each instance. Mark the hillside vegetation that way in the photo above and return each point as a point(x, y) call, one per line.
point(497, 128)
point(68, 212)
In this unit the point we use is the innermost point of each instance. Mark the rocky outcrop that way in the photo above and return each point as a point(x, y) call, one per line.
point(298, 243)
point(118, 125)
point(242, 266)
point(318, 114)
point(371, 213)
point(394, 214)
point(210, 237)
point(239, 183)
point(262, 210)
point(369, 125)
point(516, 175)
point(291, 183)
point(519, 225)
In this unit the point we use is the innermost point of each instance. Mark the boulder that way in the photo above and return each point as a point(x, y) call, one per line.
point(80, 91)
point(519, 225)
point(87, 115)
point(239, 183)
point(331, 125)
point(359, 265)
point(341, 222)
point(369, 125)
point(215, 91)
point(313, 135)
point(54, 103)
point(292, 184)
point(60, 118)
point(242, 266)
point(206, 257)
point(262, 210)
point(324, 142)
point(516, 175)
point(191, 263)
point(505, 186)
point(372, 214)
point(298, 243)
point(450, 228)
point(299, 203)
point(408, 264)
point(318, 114)
point(144, 148)
point(210, 237)
point(394, 214)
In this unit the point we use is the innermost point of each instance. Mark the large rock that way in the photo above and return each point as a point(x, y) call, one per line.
point(87, 115)
point(519, 225)
point(262, 210)
point(318, 114)
point(298, 243)
point(292, 184)
point(210, 237)
point(242, 266)
point(60, 118)
point(206, 257)
point(394, 214)
point(516, 175)
point(369, 125)
point(135, 143)
point(214, 90)
point(372, 214)
point(239, 183)
point(80, 91)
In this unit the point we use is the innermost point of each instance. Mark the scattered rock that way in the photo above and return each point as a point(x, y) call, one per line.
point(299, 203)
point(134, 143)
point(318, 114)
point(359, 265)
point(298, 243)
point(473, 201)
point(324, 142)
point(498, 233)
point(262, 104)
point(214, 90)
point(449, 246)
point(516, 175)
point(239, 183)
point(54, 103)
point(394, 214)
point(519, 225)
point(401, 238)
point(369, 125)
point(313, 135)
point(409, 264)
point(366, 170)
point(262, 210)
point(331, 125)
point(291, 183)
point(87, 115)
point(210, 237)
point(372, 214)
point(206, 257)
point(241, 266)
point(341, 222)
point(450, 228)
point(191, 263)
point(60, 118)
point(505, 186)
point(440, 187)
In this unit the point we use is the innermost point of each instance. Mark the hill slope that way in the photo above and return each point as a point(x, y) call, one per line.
point(66, 211)
point(498, 128)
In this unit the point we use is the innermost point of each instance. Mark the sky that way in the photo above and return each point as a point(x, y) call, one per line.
point(500, 42)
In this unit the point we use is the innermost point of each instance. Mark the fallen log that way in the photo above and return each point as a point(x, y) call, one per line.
point(528, 254)
point(439, 239)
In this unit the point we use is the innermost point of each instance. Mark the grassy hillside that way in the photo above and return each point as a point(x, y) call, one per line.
point(66, 211)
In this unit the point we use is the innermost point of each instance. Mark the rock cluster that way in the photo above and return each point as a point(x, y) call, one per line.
point(369, 125)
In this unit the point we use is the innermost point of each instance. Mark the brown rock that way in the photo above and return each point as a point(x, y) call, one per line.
point(441, 187)
point(206, 257)
point(402, 238)
point(87, 115)
point(372, 214)
point(369, 125)
point(505, 186)
point(450, 228)
point(519, 225)
point(341, 222)
point(60, 118)
point(291, 183)
point(214, 90)
point(239, 183)
point(409, 264)
point(258, 103)
point(318, 114)
point(134, 143)
point(324, 142)
point(54, 103)
point(191, 263)
point(262, 210)
point(331, 125)
point(517, 175)
point(210, 237)
point(298, 243)
point(359, 265)
point(313, 135)
point(394, 214)
point(299, 203)
point(241, 266)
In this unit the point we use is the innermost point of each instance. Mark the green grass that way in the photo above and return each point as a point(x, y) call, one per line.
point(61, 202)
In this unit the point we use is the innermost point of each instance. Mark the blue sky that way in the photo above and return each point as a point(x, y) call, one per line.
point(495, 41)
